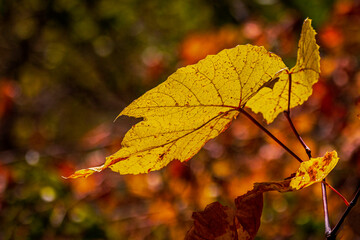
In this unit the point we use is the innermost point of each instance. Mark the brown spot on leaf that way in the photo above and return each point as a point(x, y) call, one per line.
point(327, 158)
point(161, 156)
point(301, 173)
point(312, 173)
point(270, 84)
point(113, 161)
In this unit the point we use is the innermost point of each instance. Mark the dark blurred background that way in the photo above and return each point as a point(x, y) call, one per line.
point(68, 67)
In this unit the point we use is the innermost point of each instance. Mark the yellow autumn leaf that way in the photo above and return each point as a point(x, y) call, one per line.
point(314, 170)
point(303, 76)
point(196, 104)
point(308, 173)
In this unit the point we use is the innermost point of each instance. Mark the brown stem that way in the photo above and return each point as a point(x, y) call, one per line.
point(287, 115)
point(269, 134)
point(308, 152)
point(307, 149)
point(334, 231)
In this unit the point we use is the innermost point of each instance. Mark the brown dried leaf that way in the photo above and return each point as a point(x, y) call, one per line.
point(218, 222)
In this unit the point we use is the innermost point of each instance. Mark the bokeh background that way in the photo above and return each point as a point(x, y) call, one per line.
point(68, 67)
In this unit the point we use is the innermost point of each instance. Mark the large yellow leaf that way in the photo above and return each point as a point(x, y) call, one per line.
point(195, 104)
point(303, 76)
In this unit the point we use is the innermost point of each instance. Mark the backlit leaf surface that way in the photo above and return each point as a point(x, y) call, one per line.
point(308, 173)
point(194, 105)
point(314, 170)
point(198, 102)
point(303, 76)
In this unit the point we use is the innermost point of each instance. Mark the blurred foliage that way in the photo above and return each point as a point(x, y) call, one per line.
point(68, 67)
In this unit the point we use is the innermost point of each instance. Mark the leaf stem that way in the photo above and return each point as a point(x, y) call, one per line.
point(340, 195)
point(269, 134)
point(289, 95)
point(334, 231)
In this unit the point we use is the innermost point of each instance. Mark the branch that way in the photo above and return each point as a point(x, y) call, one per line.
point(334, 231)
point(308, 152)
point(269, 134)
point(338, 193)
point(287, 115)
point(307, 149)
point(326, 212)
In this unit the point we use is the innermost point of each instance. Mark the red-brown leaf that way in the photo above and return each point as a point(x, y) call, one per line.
point(218, 222)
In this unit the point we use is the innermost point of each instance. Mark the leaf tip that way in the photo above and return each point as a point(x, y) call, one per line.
point(116, 118)
point(84, 173)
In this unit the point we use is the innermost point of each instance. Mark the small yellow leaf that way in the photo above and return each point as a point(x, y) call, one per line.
point(314, 170)
point(309, 172)
point(272, 101)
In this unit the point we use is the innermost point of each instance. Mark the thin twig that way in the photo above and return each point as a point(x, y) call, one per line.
point(308, 152)
point(339, 194)
point(287, 115)
point(307, 149)
point(326, 211)
point(269, 134)
point(334, 231)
